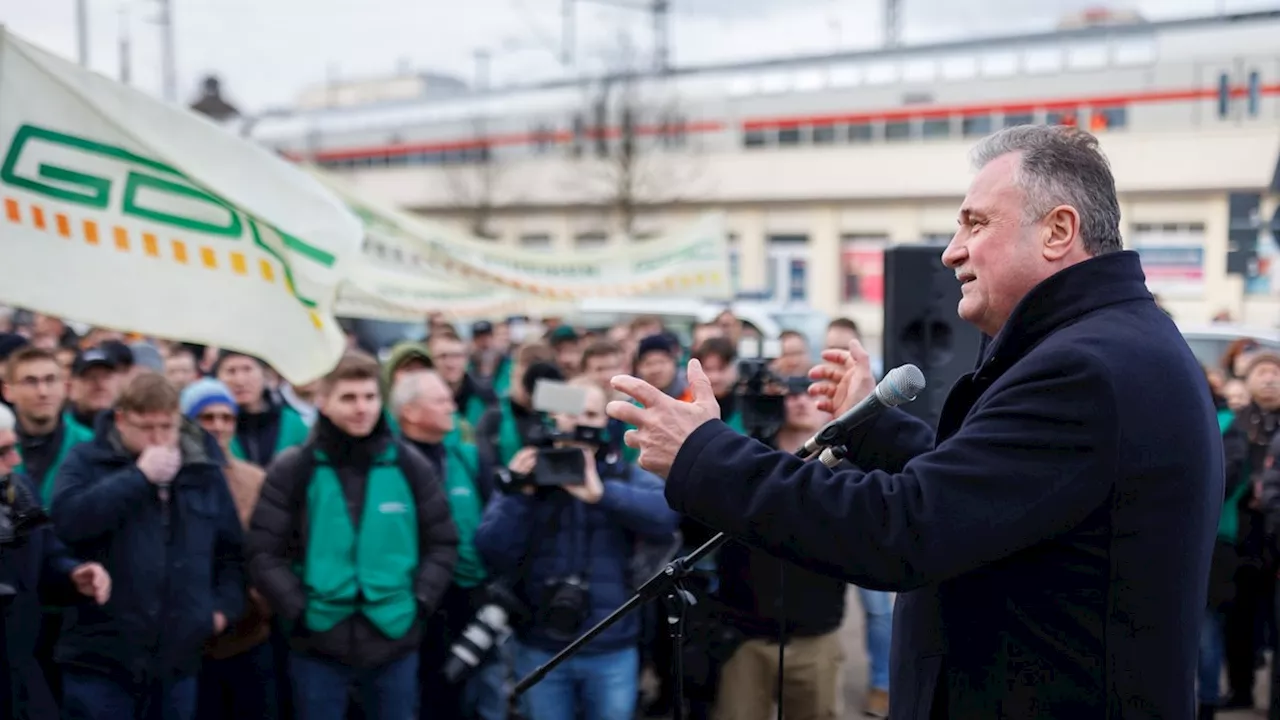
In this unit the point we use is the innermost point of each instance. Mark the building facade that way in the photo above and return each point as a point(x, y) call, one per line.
point(819, 163)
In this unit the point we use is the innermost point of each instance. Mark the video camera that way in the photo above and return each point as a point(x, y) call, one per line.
point(555, 466)
point(762, 393)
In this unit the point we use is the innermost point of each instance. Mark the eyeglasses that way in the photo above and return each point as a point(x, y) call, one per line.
point(32, 382)
point(162, 427)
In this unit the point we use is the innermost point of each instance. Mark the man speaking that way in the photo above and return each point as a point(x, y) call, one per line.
point(1051, 539)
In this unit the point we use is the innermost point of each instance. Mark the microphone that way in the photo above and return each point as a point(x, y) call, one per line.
point(900, 385)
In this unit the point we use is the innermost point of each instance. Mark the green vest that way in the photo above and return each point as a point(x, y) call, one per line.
point(376, 563)
point(73, 433)
point(465, 421)
point(293, 431)
point(462, 464)
point(509, 439)
point(1229, 520)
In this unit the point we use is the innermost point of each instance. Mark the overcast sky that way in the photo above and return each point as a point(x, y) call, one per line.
point(267, 51)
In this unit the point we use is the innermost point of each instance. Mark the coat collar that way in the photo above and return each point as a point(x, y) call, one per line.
point(1060, 300)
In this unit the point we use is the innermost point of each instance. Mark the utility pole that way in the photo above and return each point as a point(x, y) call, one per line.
point(126, 49)
point(892, 23)
point(82, 32)
point(169, 69)
point(661, 36)
point(482, 70)
point(568, 40)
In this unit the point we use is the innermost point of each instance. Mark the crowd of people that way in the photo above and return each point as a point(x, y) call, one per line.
point(1242, 614)
point(214, 542)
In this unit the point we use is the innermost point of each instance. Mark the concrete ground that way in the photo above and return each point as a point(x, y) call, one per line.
point(856, 671)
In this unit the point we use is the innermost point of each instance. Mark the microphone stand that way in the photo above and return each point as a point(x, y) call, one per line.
point(668, 584)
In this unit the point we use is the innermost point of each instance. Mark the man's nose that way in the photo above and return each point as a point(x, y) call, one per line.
point(955, 253)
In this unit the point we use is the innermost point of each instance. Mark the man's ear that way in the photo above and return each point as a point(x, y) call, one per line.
point(1062, 226)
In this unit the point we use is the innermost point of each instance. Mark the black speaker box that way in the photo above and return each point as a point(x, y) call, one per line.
point(921, 326)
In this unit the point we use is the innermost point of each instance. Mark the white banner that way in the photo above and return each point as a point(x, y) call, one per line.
point(437, 262)
point(122, 211)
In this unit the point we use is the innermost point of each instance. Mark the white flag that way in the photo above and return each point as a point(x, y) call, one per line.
point(121, 211)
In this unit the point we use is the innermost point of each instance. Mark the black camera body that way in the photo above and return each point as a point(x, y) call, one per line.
point(566, 603)
point(20, 512)
point(555, 466)
point(491, 627)
point(762, 405)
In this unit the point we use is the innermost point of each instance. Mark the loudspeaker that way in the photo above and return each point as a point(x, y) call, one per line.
point(921, 326)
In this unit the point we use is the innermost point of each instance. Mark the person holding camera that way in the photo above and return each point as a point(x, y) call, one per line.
point(352, 543)
point(423, 405)
point(566, 535)
point(147, 498)
point(507, 427)
point(34, 567)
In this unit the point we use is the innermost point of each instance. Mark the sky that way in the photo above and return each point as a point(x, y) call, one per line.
point(268, 51)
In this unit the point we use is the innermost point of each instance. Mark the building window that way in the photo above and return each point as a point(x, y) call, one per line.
point(735, 264)
point(787, 267)
point(977, 126)
point(540, 242)
point(862, 263)
point(936, 128)
point(897, 130)
point(861, 133)
point(1016, 119)
point(789, 136)
point(1224, 95)
point(590, 241)
point(1172, 257)
point(753, 139)
point(824, 134)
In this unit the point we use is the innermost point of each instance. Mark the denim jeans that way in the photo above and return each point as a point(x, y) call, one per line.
point(878, 607)
point(241, 686)
point(603, 686)
point(321, 688)
point(86, 696)
point(1212, 655)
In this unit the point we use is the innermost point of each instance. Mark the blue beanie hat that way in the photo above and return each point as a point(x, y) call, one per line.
point(203, 393)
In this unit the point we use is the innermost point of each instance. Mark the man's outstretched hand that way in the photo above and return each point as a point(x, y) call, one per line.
point(664, 423)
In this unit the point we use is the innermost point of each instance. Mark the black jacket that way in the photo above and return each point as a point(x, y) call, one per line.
point(277, 540)
point(1051, 545)
point(172, 564)
point(38, 568)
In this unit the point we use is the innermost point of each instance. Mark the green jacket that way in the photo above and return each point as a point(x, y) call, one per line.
point(293, 431)
point(73, 433)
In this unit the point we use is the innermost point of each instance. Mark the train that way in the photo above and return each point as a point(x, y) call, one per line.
point(1212, 72)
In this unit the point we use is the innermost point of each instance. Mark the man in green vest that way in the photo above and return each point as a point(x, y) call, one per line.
point(36, 388)
point(449, 356)
point(424, 407)
point(353, 544)
point(266, 425)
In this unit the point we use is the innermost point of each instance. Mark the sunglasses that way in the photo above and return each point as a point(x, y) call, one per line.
point(211, 417)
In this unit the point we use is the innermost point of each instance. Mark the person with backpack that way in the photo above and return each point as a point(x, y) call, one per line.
point(352, 543)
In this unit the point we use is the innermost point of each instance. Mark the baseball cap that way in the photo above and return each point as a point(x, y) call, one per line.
point(481, 327)
point(91, 358)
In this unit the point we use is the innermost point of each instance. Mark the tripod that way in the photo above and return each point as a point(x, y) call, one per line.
point(669, 585)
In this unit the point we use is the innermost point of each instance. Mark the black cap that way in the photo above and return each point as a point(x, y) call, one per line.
point(91, 358)
point(120, 354)
point(481, 327)
point(10, 343)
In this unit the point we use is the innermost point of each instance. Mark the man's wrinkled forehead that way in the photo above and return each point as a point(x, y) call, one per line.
point(993, 189)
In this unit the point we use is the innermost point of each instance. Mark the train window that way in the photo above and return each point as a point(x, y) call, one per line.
point(861, 133)
point(977, 126)
point(997, 64)
point(897, 130)
point(959, 67)
point(824, 134)
point(1015, 119)
point(882, 73)
point(1108, 118)
point(789, 136)
point(753, 138)
point(1043, 60)
point(936, 127)
point(1224, 95)
point(1087, 57)
point(1061, 117)
point(1255, 90)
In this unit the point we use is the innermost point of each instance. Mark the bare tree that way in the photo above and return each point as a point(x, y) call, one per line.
point(633, 143)
point(474, 177)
